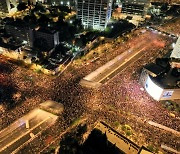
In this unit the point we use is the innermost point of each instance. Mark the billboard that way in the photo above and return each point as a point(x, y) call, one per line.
point(167, 94)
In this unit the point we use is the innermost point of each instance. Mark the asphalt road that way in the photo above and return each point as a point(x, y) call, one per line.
point(16, 135)
point(110, 69)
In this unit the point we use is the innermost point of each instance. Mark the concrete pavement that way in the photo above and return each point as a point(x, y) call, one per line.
point(111, 68)
point(24, 129)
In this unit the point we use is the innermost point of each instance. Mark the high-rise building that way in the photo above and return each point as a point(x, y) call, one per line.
point(94, 13)
point(31, 35)
point(21, 32)
point(135, 7)
point(161, 83)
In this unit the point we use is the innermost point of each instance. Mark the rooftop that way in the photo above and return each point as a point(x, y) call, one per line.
point(166, 77)
point(154, 69)
point(47, 30)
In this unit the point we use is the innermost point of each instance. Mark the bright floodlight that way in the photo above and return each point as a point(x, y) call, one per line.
point(70, 21)
point(68, 3)
point(112, 26)
point(61, 2)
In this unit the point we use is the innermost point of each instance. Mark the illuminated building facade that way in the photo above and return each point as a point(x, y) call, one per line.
point(94, 13)
point(135, 7)
point(31, 1)
point(61, 2)
point(20, 32)
point(160, 83)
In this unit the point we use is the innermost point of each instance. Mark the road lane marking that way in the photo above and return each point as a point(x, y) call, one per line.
point(164, 128)
point(169, 149)
point(125, 61)
point(24, 134)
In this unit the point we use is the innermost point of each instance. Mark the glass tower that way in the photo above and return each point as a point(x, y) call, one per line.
point(94, 13)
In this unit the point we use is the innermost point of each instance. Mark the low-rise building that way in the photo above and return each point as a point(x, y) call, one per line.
point(61, 2)
point(161, 83)
point(162, 80)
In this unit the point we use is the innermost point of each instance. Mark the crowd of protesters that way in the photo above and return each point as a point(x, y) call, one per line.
point(121, 93)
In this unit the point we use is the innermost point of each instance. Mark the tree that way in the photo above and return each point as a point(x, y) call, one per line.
point(164, 7)
point(22, 6)
point(39, 8)
point(43, 20)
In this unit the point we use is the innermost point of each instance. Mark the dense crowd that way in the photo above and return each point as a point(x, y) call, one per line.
point(122, 93)
point(172, 27)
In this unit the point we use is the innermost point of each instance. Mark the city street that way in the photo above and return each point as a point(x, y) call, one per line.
point(120, 100)
point(25, 129)
point(122, 61)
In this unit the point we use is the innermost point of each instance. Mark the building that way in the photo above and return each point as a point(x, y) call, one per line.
point(119, 142)
point(46, 37)
point(21, 32)
point(32, 36)
point(162, 83)
point(94, 13)
point(135, 7)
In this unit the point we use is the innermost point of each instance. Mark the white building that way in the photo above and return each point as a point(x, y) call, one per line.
point(176, 51)
point(159, 83)
point(94, 13)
